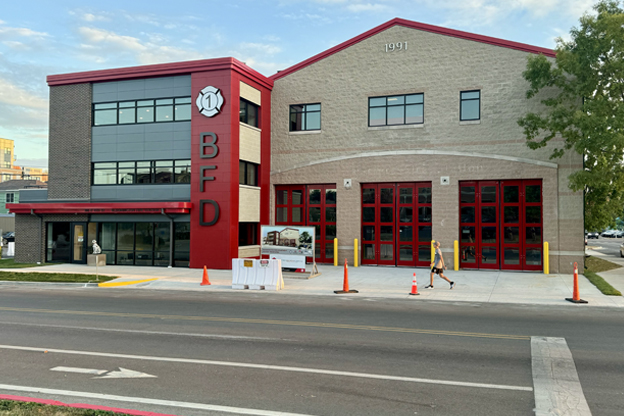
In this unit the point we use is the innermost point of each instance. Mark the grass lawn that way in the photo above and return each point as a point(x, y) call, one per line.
point(10, 264)
point(595, 265)
point(14, 408)
point(52, 277)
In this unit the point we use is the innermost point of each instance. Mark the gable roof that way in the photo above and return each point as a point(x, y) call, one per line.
point(420, 26)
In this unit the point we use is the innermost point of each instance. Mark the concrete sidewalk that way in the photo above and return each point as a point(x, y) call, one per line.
point(372, 282)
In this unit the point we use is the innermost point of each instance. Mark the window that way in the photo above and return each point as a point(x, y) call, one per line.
point(396, 110)
point(305, 117)
point(142, 111)
point(470, 105)
point(248, 173)
point(248, 113)
point(142, 172)
point(10, 197)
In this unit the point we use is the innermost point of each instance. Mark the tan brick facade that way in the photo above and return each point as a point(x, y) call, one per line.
point(440, 67)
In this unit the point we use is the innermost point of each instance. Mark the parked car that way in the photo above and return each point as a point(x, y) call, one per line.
point(619, 234)
point(608, 234)
point(592, 235)
point(8, 238)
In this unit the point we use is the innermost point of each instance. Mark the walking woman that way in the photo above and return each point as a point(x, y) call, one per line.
point(438, 266)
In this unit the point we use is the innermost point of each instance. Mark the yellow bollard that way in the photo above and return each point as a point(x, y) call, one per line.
point(335, 252)
point(432, 251)
point(456, 255)
point(546, 262)
point(355, 253)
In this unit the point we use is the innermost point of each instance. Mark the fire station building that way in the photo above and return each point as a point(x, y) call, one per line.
point(401, 135)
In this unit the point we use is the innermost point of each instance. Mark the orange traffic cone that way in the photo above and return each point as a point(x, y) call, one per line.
point(414, 287)
point(345, 285)
point(205, 280)
point(575, 294)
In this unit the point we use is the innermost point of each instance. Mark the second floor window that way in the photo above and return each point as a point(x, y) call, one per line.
point(142, 111)
point(142, 172)
point(470, 105)
point(305, 117)
point(248, 173)
point(396, 110)
point(248, 113)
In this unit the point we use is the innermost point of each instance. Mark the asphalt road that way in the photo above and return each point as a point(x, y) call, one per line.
point(218, 354)
point(608, 246)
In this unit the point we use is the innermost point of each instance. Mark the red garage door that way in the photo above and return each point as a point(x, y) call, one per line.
point(501, 225)
point(312, 206)
point(396, 224)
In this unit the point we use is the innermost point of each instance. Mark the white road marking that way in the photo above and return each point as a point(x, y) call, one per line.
point(138, 331)
point(79, 370)
point(125, 373)
point(134, 400)
point(121, 373)
point(273, 367)
point(556, 385)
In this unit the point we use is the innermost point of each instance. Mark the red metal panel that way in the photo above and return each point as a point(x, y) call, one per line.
point(211, 245)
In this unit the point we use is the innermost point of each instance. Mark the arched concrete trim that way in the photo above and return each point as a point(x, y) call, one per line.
point(421, 152)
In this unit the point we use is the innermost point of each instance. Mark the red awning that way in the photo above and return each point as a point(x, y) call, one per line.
point(102, 208)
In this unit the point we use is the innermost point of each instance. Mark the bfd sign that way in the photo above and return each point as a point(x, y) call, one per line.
point(207, 143)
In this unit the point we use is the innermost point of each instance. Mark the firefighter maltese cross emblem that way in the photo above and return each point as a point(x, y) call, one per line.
point(209, 101)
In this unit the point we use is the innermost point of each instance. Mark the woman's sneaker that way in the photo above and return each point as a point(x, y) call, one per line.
point(452, 285)
point(429, 287)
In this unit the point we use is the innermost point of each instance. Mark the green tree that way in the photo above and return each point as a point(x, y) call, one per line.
point(587, 111)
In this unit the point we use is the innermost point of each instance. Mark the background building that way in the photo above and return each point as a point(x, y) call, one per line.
point(8, 171)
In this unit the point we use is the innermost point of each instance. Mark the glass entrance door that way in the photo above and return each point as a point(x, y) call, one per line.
point(79, 243)
point(378, 224)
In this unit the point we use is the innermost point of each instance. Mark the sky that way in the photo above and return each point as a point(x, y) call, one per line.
point(40, 38)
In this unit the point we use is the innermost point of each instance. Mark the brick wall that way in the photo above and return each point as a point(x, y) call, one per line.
point(440, 67)
point(69, 153)
point(30, 235)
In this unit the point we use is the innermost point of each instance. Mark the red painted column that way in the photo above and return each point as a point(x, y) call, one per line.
point(213, 237)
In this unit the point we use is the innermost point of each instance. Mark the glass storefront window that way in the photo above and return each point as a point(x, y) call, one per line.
point(125, 236)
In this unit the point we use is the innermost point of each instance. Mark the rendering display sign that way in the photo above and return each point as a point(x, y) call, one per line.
point(291, 244)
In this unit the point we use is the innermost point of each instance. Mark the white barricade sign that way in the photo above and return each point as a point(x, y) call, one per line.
point(264, 274)
point(11, 249)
